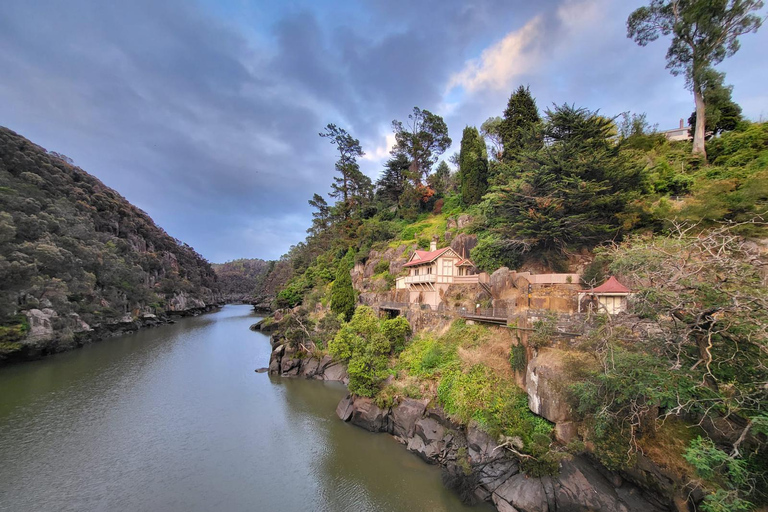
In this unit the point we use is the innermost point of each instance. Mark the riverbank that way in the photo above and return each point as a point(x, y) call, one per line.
point(43, 340)
point(473, 464)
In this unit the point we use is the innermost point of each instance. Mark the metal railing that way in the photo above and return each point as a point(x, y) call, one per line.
point(487, 313)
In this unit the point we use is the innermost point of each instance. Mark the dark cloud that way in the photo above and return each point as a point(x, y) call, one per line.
point(210, 124)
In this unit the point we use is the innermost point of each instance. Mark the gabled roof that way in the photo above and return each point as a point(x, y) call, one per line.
point(612, 285)
point(421, 257)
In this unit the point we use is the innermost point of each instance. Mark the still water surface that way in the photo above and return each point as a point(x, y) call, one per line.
point(175, 419)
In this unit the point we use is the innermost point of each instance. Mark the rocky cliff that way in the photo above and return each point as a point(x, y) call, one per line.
point(78, 261)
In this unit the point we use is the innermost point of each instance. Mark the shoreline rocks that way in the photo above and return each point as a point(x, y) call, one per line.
point(287, 361)
point(43, 340)
point(476, 467)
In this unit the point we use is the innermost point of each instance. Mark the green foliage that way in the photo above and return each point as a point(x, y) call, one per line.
point(518, 358)
point(421, 140)
point(366, 343)
point(716, 466)
point(571, 190)
point(396, 330)
point(518, 129)
point(722, 113)
point(67, 238)
point(491, 253)
point(499, 406)
point(342, 294)
point(381, 266)
point(473, 166)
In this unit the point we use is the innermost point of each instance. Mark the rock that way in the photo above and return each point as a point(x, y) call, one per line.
point(492, 475)
point(335, 371)
point(565, 432)
point(463, 220)
point(262, 370)
point(309, 367)
point(40, 324)
point(481, 445)
point(503, 506)
point(344, 409)
point(289, 366)
point(523, 493)
point(581, 487)
point(545, 385)
point(463, 244)
point(405, 415)
point(369, 416)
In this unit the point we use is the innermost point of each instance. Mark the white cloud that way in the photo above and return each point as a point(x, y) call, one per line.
point(381, 152)
point(500, 63)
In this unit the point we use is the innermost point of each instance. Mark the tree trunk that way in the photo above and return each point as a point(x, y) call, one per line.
point(701, 123)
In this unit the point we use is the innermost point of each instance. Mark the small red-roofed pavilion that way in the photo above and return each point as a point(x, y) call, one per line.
point(610, 297)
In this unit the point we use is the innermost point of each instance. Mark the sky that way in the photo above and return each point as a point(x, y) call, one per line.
point(206, 114)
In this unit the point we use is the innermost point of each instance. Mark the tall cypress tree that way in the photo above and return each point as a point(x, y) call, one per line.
point(518, 128)
point(473, 166)
point(342, 293)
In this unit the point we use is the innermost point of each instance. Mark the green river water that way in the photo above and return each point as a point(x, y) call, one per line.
point(176, 419)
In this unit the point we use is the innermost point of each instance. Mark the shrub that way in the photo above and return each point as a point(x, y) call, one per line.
point(490, 254)
point(397, 331)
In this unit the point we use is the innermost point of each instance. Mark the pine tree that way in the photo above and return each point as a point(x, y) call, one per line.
point(391, 184)
point(473, 166)
point(342, 293)
point(572, 190)
point(518, 128)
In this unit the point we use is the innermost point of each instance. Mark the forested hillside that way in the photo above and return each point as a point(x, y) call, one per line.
point(76, 257)
point(243, 280)
point(680, 399)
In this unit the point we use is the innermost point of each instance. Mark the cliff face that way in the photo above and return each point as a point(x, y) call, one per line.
point(78, 260)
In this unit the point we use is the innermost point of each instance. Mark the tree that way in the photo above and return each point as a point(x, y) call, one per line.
point(722, 113)
point(422, 141)
point(518, 128)
point(391, 184)
point(322, 217)
point(348, 186)
point(342, 293)
point(571, 189)
point(491, 131)
point(473, 166)
point(704, 32)
point(440, 180)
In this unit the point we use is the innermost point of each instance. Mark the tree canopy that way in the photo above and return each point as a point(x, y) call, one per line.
point(704, 33)
point(422, 140)
point(473, 166)
point(518, 128)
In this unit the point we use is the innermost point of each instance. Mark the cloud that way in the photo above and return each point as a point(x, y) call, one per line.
point(504, 61)
point(207, 116)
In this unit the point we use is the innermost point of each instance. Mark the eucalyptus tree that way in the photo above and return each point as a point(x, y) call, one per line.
point(423, 138)
point(704, 33)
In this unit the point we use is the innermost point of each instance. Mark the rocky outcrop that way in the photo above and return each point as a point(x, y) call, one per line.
point(287, 361)
point(476, 466)
point(546, 383)
point(51, 333)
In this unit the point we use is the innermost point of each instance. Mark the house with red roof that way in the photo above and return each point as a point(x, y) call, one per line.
point(610, 297)
point(431, 272)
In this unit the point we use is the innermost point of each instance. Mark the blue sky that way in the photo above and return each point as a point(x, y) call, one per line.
point(206, 114)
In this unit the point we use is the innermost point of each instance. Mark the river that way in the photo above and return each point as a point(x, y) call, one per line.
point(176, 419)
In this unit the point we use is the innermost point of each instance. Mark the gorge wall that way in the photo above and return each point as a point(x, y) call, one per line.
point(79, 262)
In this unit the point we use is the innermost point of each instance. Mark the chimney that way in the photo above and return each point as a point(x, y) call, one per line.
point(682, 125)
point(433, 244)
